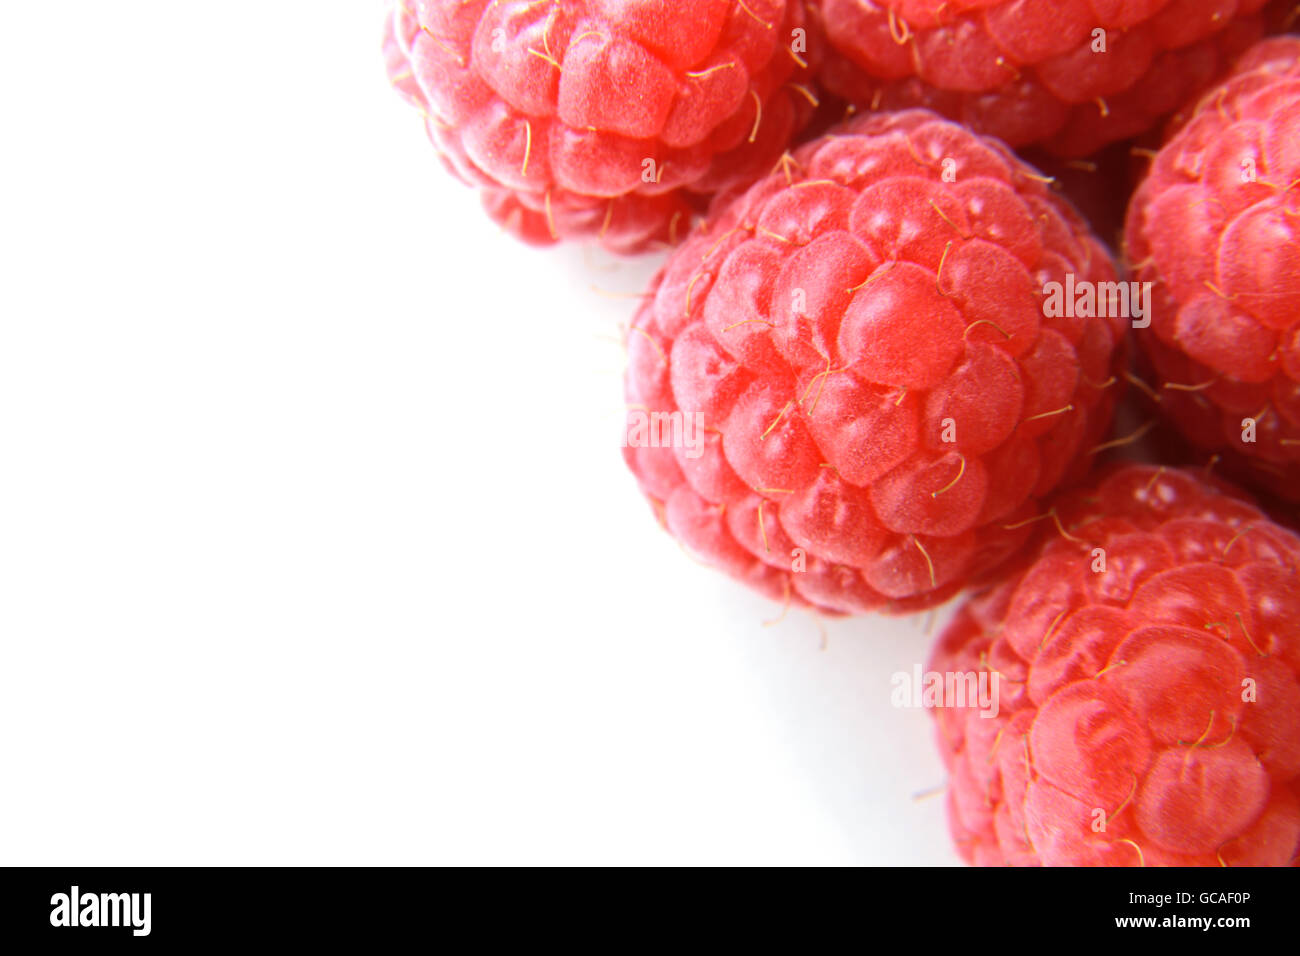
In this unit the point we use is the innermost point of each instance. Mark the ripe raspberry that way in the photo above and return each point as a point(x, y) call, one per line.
point(1148, 703)
point(597, 119)
point(1033, 72)
point(883, 400)
point(1216, 228)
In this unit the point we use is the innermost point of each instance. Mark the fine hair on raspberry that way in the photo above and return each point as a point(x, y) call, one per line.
point(1148, 705)
point(604, 120)
point(1215, 230)
point(1070, 75)
point(883, 397)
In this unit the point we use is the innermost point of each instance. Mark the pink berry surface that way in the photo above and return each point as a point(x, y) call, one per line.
point(1215, 229)
point(882, 396)
point(1148, 703)
point(603, 120)
point(1071, 75)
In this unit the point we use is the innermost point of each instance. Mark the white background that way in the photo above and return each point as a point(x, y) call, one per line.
point(316, 545)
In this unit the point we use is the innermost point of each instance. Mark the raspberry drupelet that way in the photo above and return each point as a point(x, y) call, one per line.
point(1071, 75)
point(862, 339)
point(1148, 709)
point(1215, 228)
point(603, 120)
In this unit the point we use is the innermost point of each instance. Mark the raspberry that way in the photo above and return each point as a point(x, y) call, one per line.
point(1033, 72)
point(880, 395)
point(1216, 228)
point(599, 119)
point(1148, 708)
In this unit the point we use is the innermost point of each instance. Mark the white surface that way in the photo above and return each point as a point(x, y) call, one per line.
point(315, 542)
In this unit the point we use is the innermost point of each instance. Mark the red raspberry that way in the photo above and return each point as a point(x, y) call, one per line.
point(1148, 708)
point(882, 399)
point(596, 119)
point(1216, 228)
point(1026, 70)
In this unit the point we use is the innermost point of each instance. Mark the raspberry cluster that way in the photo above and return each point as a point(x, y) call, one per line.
point(1071, 75)
point(881, 363)
point(598, 119)
point(1147, 662)
point(1215, 228)
point(863, 336)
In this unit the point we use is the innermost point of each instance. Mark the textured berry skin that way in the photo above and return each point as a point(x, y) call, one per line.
point(1223, 253)
point(827, 323)
point(555, 109)
point(1025, 70)
point(1121, 693)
